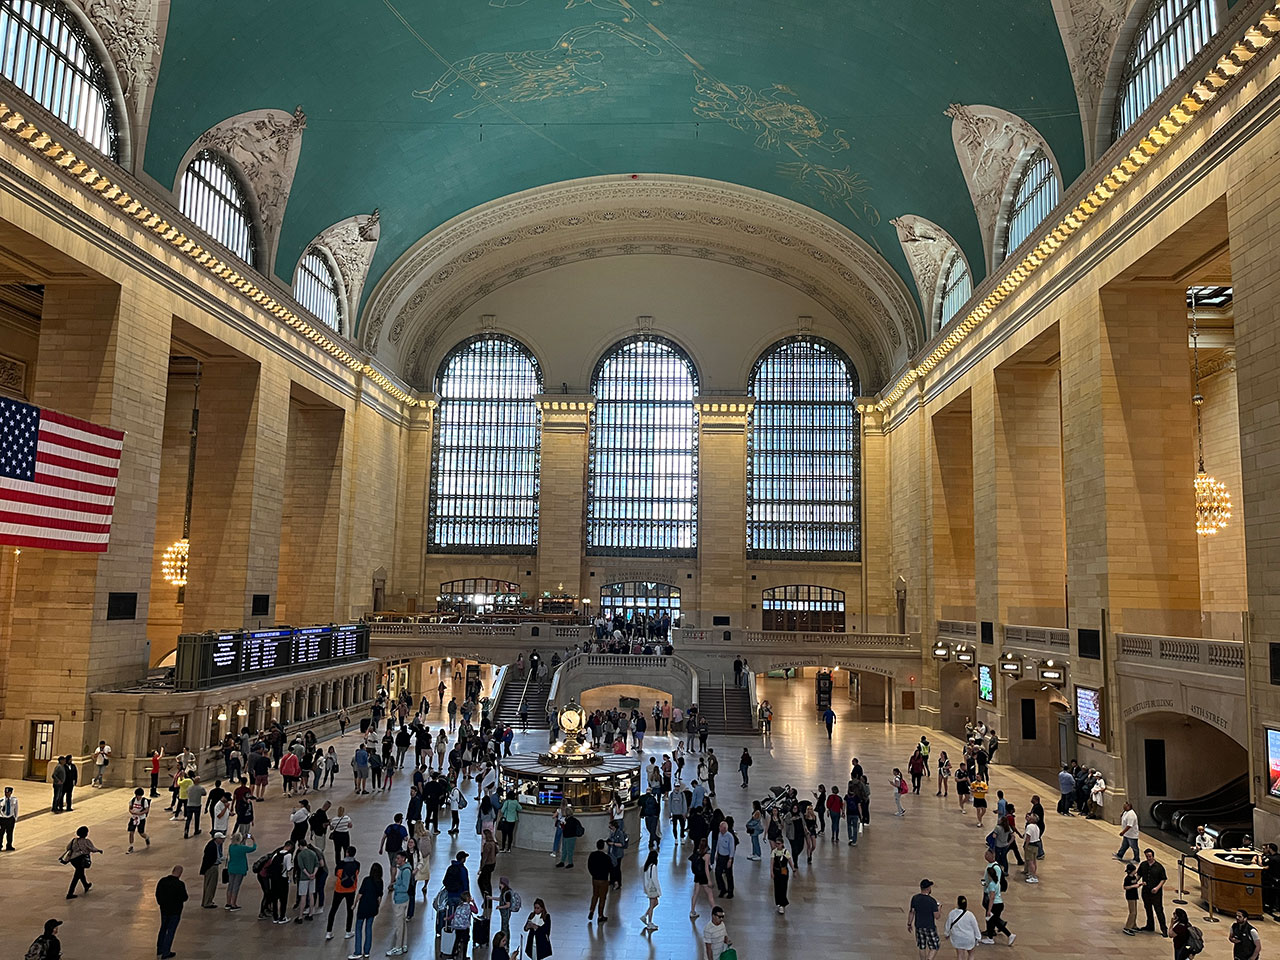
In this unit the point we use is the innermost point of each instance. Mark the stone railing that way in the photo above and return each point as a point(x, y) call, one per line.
point(964, 630)
point(639, 669)
point(1054, 640)
point(1224, 658)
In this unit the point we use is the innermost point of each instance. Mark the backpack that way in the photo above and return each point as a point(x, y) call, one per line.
point(1004, 882)
point(261, 865)
point(1195, 940)
point(38, 950)
point(902, 786)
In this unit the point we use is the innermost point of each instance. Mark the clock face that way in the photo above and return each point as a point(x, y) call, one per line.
point(571, 718)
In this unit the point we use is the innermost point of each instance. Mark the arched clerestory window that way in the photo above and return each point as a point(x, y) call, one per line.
point(316, 286)
point(45, 52)
point(804, 467)
point(1171, 34)
point(642, 497)
point(1034, 196)
point(956, 288)
point(216, 200)
point(485, 449)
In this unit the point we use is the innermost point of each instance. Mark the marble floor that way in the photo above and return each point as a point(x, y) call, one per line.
point(851, 902)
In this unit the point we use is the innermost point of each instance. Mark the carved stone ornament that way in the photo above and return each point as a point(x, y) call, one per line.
point(13, 378)
point(989, 144)
point(265, 144)
point(1089, 31)
point(927, 248)
point(131, 33)
point(439, 277)
point(352, 243)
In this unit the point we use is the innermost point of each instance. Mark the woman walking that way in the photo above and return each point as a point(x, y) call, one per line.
point(366, 910)
point(899, 786)
point(962, 927)
point(780, 868)
point(537, 943)
point(944, 774)
point(795, 831)
point(915, 767)
point(700, 867)
point(744, 765)
point(652, 887)
point(755, 827)
point(835, 811)
point(962, 786)
point(340, 833)
point(1180, 932)
point(811, 830)
point(78, 855)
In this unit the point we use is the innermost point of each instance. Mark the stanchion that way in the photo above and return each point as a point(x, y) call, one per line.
point(1182, 888)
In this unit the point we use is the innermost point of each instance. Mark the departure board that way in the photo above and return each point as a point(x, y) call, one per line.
point(219, 658)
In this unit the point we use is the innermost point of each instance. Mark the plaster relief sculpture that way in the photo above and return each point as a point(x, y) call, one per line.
point(927, 248)
point(352, 244)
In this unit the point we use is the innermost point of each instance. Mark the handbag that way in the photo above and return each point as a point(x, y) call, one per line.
point(729, 953)
point(226, 876)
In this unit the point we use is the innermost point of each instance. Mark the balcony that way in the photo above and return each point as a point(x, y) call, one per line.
point(1219, 658)
point(1037, 641)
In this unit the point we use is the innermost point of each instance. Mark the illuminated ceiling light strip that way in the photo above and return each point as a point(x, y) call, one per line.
point(64, 160)
point(1256, 39)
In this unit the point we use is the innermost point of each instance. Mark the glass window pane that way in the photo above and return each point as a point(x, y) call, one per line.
point(1170, 36)
point(213, 197)
point(315, 287)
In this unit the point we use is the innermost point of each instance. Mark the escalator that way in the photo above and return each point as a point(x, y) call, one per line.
point(1226, 809)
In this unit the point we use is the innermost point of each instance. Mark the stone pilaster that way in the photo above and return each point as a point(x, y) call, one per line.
point(722, 508)
point(562, 505)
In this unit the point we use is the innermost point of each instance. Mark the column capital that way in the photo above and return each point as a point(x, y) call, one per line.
point(724, 413)
point(565, 412)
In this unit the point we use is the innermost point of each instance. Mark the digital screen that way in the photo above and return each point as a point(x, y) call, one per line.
point(1273, 763)
point(1089, 712)
point(310, 645)
point(224, 655)
point(986, 684)
point(346, 641)
point(214, 659)
point(266, 650)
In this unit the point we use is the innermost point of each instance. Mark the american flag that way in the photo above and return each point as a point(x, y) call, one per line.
point(57, 479)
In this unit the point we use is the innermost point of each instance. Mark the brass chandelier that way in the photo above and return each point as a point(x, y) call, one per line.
point(1213, 500)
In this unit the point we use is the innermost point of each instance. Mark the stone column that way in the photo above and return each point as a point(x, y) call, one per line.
point(562, 496)
point(104, 355)
point(1253, 206)
point(879, 602)
point(415, 495)
point(722, 508)
point(308, 581)
point(235, 517)
point(952, 511)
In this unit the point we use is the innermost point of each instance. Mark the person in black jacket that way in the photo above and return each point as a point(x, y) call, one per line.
point(171, 894)
point(210, 869)
point(48, 944)
point(538, 932)
point(600, 866)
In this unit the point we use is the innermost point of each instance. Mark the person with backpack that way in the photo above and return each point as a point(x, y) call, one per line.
point(1181, 935)
point(47, 946)
point(573, 829)
point(139, 807)
point(899, 785)
point(346, 875)
point(994, 884)
point(1245, 942)
point(457, 880)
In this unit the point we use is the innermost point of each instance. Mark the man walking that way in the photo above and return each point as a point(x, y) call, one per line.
point(726, 845)
point(715, 935)
point(1128, 832)
point(600, 867)
point(171, 894)
point(651, 811)
point(1152, 874)
point(195, 802)
point(8, 817)
point(923, 915)
point(209, 869)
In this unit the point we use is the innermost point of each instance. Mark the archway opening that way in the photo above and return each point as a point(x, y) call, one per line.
point(958, 697)
point(1031, 737)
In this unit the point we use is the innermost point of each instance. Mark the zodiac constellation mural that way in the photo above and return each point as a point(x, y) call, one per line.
point(775, 115)
point(524, 75)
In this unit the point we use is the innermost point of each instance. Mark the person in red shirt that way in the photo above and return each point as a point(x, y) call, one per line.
point(155, 771)
point(835, 810)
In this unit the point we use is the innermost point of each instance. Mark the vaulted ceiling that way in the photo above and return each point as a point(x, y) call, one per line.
point(427, 110)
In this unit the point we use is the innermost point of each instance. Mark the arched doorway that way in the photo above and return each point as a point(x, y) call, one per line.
point(958, 697)
point(1031, 734)
point(1175, 756)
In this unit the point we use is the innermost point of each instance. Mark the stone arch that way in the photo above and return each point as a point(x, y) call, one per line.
point(957, 697)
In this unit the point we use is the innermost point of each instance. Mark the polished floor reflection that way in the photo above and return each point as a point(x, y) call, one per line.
point(851, 902)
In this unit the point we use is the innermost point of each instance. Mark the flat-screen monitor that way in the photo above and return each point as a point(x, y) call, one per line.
point(1089, 712)
point(986, 684)
point(1273, 763)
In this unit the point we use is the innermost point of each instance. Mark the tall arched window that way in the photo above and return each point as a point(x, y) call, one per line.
point(484, 472)
point(315, 286)
point(45, 53)
point(215, 199)
point(956, 288)
point(1034, 196)
point(1171, 34)
point(643, 489)
point(804, 470)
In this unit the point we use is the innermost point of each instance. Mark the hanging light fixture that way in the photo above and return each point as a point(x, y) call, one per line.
point(175, 563)
point(1213, 500)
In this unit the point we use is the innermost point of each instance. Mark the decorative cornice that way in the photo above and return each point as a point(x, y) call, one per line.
point(421, 289)
point(1227, 67)
point(44, 137)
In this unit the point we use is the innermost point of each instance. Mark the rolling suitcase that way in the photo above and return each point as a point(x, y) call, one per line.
point(480, 931)
point(448, 943)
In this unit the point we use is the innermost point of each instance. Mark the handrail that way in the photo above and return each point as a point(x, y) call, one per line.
point(724, 700)
point(1223, 657)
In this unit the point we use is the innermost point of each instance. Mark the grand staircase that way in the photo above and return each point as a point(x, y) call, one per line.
point(515, 690)
point(728, 710)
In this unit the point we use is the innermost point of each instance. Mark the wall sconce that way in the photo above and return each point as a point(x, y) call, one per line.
point(222, 716)
point(241, 711)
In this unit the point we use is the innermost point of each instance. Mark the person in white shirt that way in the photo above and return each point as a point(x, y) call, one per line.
point(101, 757)
point(1030, 847)
point(1128, 832)
point(8, 817)
point(1203, 840)
point(715, 935)
point(1097, 794)
point(962, 930)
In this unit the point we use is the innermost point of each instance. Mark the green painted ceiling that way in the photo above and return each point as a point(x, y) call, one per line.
point(764, 93)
